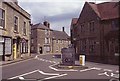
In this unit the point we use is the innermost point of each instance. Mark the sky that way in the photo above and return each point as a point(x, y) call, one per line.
point(58, 13)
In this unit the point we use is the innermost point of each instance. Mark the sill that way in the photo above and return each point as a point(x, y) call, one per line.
point(2, 28)
point(16, 32)
point(24, 35)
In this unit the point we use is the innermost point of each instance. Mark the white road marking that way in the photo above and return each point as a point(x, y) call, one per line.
point(117, 71)
point(50, 61)
point(21, 78)
point(94, 68)
point(108, 70)
point(24, 74)
point(47, 73)
point(105, 73)
point(59, 69)
point(17, 62)
point(114, 75)
point(54, 77)
point(41, 72)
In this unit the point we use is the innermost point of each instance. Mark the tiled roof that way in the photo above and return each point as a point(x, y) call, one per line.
point(60, 35)
point(106, 10)
point(39, 25)
point(74, 20)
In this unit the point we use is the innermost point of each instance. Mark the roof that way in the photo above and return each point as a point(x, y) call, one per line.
point(39, 26)
point(74, 21)
point(19, 9)
point(60, 35)
point(106, 10)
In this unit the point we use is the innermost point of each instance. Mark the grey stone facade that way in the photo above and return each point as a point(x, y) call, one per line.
point(14, 31)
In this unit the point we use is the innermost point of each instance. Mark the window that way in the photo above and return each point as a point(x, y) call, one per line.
point(60, 41)
point(2, 18)
point(115, 23)
point(24, 28)
point(32, 41)
point(91, 46)
point(56, 41)
point(82, 28)
point(24, 46)
point(83, 45)
point(91, 26)
point(16, 24)
point(47, 40)
point(46, 32)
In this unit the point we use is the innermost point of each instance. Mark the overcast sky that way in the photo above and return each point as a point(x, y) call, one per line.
point(58, 12)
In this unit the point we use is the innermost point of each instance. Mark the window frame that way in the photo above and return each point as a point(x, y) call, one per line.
point(16, 24)
point(2, 18)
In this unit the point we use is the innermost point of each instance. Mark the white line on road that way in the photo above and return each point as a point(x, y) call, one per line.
point(105, 73)
point(94, 68)
point(108, 70)
point(21, 78)
point(47, 73)
point(54, 77)
point(16, 62)
point(24, 74)
point(51, 67)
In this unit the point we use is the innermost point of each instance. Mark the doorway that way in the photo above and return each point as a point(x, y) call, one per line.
point(40, 50)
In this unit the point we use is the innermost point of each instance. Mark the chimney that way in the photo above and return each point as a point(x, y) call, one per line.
point(63, 29)
point(46, 24)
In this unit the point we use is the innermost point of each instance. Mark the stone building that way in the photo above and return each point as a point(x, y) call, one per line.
point(45, 40)
point(97, 32)
point(60, 40)
point(41, 38)
point(14, 31)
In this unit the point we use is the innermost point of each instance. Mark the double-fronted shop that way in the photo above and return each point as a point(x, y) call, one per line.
point(11, 49)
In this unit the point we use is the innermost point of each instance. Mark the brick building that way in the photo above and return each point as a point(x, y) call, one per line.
point(97, 32)
point(45, 40)
point(14, 31)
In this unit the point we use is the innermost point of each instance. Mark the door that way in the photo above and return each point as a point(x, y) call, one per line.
point(40, 50)
point(14, 49)
point(1, 51)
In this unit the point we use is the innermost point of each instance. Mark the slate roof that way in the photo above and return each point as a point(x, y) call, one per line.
point(39, 25)
point(60, 35)
point(106, 10)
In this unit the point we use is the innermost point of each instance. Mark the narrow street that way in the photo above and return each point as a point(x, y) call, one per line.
point(40, 68)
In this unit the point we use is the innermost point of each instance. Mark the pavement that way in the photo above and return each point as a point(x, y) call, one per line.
point(17, 60)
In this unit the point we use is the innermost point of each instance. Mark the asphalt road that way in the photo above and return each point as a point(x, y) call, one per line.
point(41, 68)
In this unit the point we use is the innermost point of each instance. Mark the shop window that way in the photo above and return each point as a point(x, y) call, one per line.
point(24, 47)
point(8, 46)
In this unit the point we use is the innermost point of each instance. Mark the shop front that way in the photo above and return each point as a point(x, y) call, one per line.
point(5, 47)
